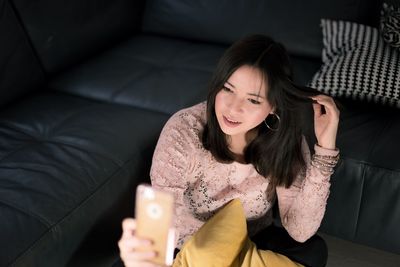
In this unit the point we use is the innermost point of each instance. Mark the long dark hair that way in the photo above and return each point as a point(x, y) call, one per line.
point(275, 154)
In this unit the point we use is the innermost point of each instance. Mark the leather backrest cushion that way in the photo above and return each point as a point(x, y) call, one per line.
point(294, 23)
point(365, 186)
point(20, 70)
point(65, 32)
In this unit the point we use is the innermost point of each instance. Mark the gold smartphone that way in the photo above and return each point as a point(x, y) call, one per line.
point(154, 215)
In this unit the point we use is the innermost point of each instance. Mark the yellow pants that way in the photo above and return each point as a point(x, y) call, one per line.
point(250, 256)
point(223, 242)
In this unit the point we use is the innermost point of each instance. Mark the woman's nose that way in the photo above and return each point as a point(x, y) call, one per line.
point(236, 105)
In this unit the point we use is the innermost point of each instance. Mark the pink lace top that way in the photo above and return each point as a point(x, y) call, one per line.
point(201, 185)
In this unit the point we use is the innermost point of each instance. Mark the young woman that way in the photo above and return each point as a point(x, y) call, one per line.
point(247, 142)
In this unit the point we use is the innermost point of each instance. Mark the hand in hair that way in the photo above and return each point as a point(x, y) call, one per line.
point(326, 121)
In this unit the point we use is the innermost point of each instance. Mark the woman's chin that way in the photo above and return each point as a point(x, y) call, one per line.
point(230, 131)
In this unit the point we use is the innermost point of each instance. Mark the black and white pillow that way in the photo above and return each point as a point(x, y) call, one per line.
point(390, 23)
point(358, 64)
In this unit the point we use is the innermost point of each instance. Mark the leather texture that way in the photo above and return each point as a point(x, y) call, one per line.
point(152, 72)
point(58, 178)
point(20, 71)
point(66, 32)
point(365, 187)
point(295, 24)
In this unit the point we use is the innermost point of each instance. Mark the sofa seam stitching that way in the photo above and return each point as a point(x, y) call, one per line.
point(26, 212)
point(360, 202)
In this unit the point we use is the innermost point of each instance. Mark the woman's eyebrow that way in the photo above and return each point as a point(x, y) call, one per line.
point(251, 94)
point(230, 84)
point(256, 95)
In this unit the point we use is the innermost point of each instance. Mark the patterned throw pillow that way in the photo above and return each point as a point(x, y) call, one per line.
point(390, 23)
point(358, 64)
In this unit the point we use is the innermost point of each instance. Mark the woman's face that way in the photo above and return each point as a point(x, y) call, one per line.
point(242, 105)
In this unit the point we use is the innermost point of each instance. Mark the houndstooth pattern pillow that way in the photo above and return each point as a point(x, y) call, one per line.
point(358, 64)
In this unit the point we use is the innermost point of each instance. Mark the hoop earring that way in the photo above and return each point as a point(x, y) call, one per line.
point(279, 123)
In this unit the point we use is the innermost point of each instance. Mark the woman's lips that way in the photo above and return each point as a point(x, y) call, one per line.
point(231, 123)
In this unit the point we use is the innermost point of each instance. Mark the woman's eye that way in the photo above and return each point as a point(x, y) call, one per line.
point(254, 101)
point(226, 89)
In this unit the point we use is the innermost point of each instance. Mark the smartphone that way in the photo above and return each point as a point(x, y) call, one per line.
point(154, 215)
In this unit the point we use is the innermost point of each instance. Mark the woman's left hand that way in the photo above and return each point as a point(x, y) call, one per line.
point(325, 123)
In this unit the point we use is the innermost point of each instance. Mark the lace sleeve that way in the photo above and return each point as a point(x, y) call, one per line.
point(171, 161)
point(302, 205)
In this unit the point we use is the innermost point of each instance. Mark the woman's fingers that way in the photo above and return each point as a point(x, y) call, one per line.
point(128, 227)
point(328, 103)
point(129, 245)
point(326, 120)
point(139, 256)
point(131, 256)
point(317, 109)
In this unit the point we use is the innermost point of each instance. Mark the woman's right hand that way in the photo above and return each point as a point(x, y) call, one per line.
point(128, 244)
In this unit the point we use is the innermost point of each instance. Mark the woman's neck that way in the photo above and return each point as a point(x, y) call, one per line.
point(238, 144)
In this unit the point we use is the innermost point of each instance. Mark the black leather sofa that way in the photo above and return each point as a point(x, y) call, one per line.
point(86, 86)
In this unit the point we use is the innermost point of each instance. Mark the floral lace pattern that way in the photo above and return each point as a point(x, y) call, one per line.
point(201, 185)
